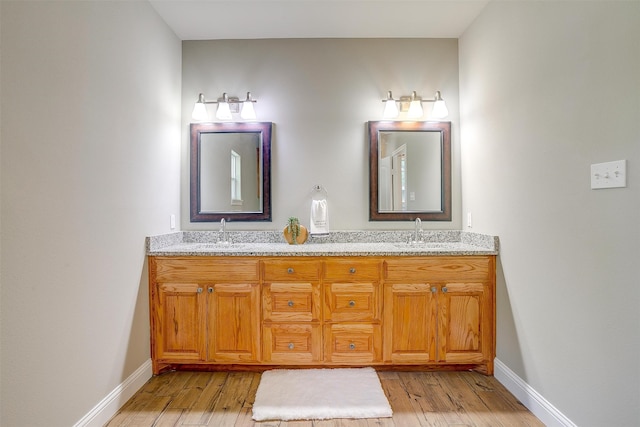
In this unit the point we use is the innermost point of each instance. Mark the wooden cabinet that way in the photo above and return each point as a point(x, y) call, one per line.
point(352, 313)
point(292, 311)
point(204, 311)
point(179, 313)
point(436, 312)
point(440, 310)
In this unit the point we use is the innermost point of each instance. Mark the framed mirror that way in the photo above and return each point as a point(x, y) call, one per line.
point(231, 171)
point(409, 171)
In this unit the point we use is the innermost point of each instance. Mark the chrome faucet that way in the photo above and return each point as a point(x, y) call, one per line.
point(223, 232)
point(418, 231)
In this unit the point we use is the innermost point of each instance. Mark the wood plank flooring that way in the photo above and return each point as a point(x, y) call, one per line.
point(224, 399)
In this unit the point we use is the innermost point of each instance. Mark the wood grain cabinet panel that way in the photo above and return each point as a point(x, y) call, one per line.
point(180, 322)
point(353, 343)
point(234, 322)
point(291, 302)
point(323, 311)
point(292, 343)
point(465, 320)
point(351, 302)
point(409, 323)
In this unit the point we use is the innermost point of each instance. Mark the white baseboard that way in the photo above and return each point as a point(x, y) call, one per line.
point(538, 405)
point(109, 406)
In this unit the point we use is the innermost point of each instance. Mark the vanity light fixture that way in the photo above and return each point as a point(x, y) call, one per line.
point(412, 105)
point(226, 107)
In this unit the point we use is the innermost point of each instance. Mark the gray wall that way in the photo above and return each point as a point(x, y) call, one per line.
point(547, 89)
point(90, 166)
point(320, 93)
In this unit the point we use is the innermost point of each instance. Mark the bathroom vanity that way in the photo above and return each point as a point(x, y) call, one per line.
point(256, 305)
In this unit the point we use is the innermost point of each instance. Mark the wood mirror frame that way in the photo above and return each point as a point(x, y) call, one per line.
point(444, 131)
point(263, 129)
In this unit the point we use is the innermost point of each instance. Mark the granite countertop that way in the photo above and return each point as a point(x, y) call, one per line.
point(341, 243)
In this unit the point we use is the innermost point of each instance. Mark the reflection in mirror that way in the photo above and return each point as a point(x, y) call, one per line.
point(230, 171)
point(410, 171)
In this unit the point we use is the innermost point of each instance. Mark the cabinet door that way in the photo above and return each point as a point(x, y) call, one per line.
point(409, 323)
point(234, 322)
point(178, 322)
point(465, 323)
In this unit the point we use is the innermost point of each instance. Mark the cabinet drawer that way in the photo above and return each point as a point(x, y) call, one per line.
point(203, 269)
point(437, 269)
point(291, 302)
point(292, 343)
point(354, 343)
point(351, 302)
point(351, 270)
point(287, 270)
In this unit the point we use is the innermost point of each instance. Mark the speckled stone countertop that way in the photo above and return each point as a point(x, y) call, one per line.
point(337, 243)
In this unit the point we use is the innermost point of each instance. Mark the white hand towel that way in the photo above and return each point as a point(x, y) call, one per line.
point(319, 217)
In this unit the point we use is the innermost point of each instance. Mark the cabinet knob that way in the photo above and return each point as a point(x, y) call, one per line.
point(434, 290)
point(290, 303)
point(444, 289)
point(352, 270)
point(290, 270)
point(291, 346)
point(352, 303)
point(210, 290)
point(352, 346)
point(199, 290)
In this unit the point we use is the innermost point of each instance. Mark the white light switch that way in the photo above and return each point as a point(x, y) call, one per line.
point(609, 174)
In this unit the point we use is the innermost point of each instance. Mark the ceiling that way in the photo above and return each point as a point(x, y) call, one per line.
point(259, 19)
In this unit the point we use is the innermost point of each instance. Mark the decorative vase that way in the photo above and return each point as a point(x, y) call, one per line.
point(300, 239)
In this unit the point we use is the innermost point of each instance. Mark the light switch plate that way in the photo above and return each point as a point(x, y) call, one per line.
point(609, 175)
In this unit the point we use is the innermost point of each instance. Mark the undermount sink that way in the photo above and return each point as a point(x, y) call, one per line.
point(423, 245)
point(220, 245)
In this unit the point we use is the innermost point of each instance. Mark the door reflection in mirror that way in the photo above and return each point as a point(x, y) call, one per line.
point(409, 172)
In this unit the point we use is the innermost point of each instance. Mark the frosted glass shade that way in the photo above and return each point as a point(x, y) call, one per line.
point(223, 112)
point(199, 112)
point(390, 109)
point(415, 109)
point(248, 112)
point(440, 110)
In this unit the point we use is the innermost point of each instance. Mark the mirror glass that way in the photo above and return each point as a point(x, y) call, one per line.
point(410, 171)
point(230, 171)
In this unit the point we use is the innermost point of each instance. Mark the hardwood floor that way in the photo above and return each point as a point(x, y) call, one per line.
point(224, 399)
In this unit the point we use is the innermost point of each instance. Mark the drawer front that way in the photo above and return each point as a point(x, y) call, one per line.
point(292, 343)
point(351, 270)
point(291, 302)
point(353, 344)
point(429, 269)
point(351, 302)
point(206, 269)
point(287, 270)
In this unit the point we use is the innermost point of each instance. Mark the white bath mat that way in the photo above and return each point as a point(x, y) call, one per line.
point(318, 394)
